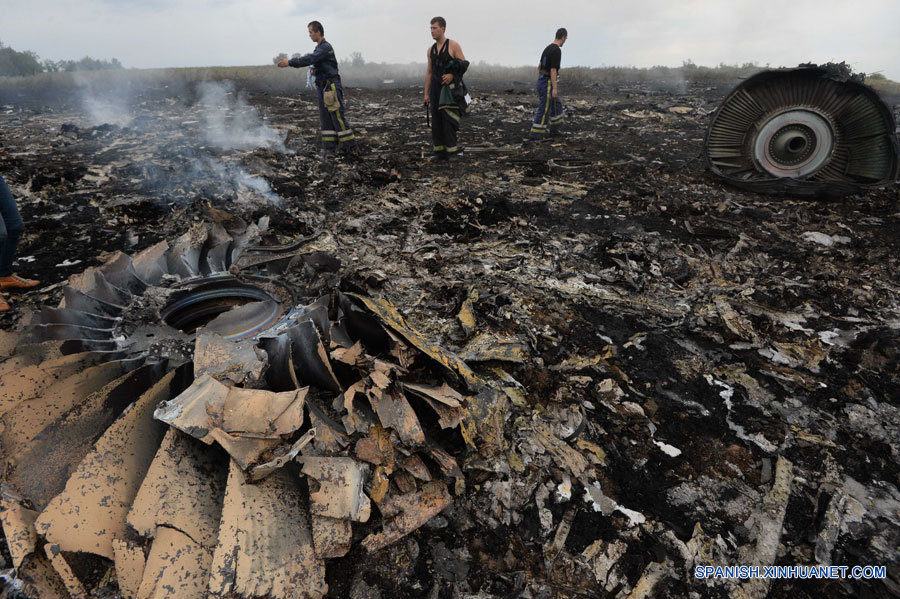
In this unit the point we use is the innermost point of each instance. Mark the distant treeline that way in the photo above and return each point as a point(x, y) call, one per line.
point(57, 86)
point(26, 63)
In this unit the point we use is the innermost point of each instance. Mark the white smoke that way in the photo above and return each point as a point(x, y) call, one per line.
point(248, 189)
point(110, 105)
point(225, 121)
point(230, 123)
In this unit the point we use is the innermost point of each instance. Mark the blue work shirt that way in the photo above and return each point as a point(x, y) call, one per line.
point(322, 59)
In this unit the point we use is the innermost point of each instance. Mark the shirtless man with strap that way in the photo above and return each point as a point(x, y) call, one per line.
point(442, 70)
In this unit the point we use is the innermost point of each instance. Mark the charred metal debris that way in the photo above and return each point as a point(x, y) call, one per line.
point(118, 429)
point(671, 372)
point(812, 130)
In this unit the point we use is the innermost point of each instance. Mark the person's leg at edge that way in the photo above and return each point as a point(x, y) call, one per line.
point(11, 227)
point(9, 241)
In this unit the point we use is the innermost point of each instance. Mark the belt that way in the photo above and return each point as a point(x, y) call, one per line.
point(543, 72)
point(329, 81)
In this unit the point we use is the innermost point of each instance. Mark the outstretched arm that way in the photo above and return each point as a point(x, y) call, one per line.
point(317, 55)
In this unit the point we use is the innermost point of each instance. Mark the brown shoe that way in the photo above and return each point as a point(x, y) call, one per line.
point(17, 282)
point(3, 305)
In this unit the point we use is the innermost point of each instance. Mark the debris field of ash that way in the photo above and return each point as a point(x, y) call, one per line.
point(587, 366)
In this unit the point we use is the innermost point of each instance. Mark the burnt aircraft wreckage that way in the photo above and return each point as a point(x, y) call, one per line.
point(214, 431)
point(812, 130)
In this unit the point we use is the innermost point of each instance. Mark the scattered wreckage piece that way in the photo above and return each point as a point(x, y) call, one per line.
point(340, 494)
point(74, 587)
point(408, 512)
point(18, 526)
point(183, 489)
point(388, 314)
point(244, 422)
point(260, 471)
point(90, 513)
point(265, 544)
point(130, 563)
point(769, 524)
point(811, 130)
point(332, 537)
point(177, 566)
point(529, 257)
point(487, 348)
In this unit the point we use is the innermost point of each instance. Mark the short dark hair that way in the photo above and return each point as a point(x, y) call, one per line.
point(561, 33)
point(317, 27)
point(440, 21)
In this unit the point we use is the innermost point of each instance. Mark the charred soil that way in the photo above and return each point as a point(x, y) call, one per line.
point(685, 339)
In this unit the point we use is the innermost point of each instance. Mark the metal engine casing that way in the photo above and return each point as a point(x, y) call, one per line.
point(809, 131)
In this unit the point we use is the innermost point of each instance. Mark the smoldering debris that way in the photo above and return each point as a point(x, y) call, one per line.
point(207, 152)
point(543, 370)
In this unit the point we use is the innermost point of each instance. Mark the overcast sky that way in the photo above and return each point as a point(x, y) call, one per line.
point(170, 33)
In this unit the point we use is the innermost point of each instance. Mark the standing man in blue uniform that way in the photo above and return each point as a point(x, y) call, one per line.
point(336, 132)
point(549, 115)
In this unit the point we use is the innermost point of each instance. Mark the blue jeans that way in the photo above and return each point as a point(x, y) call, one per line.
point(11, 227)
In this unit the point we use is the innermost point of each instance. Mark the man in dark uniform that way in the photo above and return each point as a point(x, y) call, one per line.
point(549, 115)
point(446, 66)
point(336, 132)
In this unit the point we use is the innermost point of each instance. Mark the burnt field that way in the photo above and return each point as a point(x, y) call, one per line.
point(687, 374)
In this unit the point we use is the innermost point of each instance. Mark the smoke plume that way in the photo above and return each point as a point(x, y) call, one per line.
point(232, 124)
